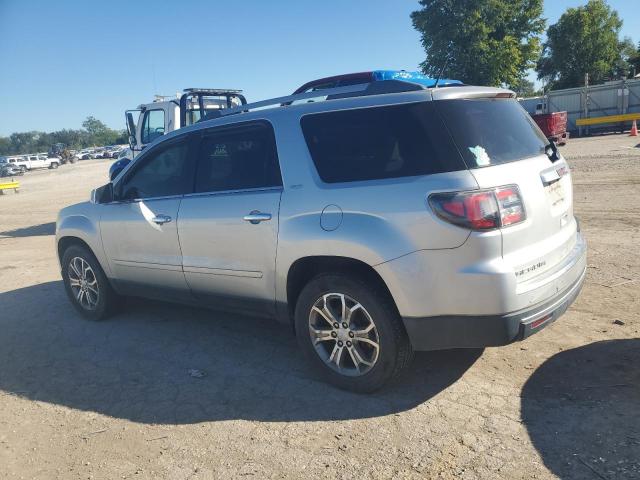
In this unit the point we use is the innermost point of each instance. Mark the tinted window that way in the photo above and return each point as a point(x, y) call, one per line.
point(162, 172)
point(381, 142)
point(237, 159)
point(153, 125)
point(490, 132)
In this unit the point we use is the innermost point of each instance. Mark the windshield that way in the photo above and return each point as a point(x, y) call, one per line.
point(492, 131)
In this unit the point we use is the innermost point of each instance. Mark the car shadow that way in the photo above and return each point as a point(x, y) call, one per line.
point(32, 231)
point(162, 363)
point(582, 410)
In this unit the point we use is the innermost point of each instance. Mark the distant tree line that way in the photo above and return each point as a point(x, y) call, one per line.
point(495, 42)
point(93, 133)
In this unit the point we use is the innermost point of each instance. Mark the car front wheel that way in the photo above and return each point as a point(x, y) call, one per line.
point(350, 331)
point(86, 285)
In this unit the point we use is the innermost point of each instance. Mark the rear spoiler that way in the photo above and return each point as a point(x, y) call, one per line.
point(468, 92)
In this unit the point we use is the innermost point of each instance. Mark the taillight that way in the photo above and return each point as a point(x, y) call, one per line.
point(510, 204)
point(480, 210)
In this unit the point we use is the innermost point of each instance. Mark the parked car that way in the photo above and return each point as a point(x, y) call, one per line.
point(116, 152)
point(31, 162)
point(388, 218)
point(374, 76)
point(9, 170)
point(83, 155)
point(14, 161)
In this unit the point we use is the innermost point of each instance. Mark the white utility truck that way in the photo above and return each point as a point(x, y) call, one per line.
point(166, 114)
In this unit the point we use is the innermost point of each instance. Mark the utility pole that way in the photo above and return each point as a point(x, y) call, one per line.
point(585, 103)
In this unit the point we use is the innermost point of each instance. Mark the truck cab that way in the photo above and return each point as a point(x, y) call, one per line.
point(166, 114)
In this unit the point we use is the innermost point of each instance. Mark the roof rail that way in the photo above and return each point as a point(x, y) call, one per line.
point(360, 90)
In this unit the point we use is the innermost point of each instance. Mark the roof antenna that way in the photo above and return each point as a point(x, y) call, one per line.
point(446, 62)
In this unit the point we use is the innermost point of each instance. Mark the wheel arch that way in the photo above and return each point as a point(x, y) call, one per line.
point(304, 269)
point(67, 241)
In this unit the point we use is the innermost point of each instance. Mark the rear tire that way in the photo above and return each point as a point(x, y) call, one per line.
point(86, 284)
point(347, 356)
point(54, 165)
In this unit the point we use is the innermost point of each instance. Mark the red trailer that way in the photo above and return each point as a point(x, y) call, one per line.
point(553, 125)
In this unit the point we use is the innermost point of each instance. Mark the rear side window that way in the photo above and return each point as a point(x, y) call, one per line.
point(380, 142)
point(490, 132)
point(238, 158)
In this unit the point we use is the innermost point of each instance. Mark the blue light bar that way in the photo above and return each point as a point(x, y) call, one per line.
point(414, 77)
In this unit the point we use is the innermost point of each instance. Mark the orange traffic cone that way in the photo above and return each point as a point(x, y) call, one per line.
point(634, 130)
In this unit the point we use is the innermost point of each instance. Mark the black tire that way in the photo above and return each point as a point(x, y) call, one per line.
point(107, 299)
point(23, 168)
point(54, 165)
point(395, 352)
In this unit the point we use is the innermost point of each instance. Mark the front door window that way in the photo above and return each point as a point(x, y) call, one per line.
point(152, 126)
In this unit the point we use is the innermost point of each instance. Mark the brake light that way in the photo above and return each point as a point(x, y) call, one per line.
point(510, 204)
point(480, 210)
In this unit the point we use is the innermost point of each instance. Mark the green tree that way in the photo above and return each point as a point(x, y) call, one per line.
point(96, 129)
point(631, 57)
point(94, 133)
point(94, 126)
point(482, 42)
point(526, 88)
point(584, 40)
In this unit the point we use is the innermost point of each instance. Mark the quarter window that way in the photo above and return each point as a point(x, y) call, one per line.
point(152, 125)
point(380, 142)
point(237, 159)
point(162, 172)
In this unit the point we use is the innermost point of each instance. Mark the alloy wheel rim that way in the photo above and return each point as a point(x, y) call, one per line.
point(344, 334)
point(84, 283)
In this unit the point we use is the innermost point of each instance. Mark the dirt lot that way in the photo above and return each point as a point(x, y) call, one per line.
point(115, 399)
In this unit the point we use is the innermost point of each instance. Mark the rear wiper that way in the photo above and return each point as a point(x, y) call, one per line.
point(552, 151)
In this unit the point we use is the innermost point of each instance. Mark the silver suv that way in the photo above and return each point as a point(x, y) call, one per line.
point(382, 219)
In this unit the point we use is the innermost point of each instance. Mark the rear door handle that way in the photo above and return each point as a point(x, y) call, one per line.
point(161, 219)
point(256, 217)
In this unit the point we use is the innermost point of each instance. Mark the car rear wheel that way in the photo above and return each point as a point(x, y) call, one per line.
point(54, 165)
point(350, 331)
point(86, 284)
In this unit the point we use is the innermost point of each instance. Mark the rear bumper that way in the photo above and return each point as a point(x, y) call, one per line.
point(462, 331)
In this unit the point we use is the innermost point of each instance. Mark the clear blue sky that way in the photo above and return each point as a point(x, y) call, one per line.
point(65, 60)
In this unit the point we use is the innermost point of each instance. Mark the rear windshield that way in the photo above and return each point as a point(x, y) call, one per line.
point(490, 132)
point(380, 142)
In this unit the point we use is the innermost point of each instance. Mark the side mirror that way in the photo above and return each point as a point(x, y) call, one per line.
point(103, 194)
point(117, 167)
point(131, 129)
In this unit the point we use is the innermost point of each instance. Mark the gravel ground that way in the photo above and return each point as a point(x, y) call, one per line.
point(115, 399)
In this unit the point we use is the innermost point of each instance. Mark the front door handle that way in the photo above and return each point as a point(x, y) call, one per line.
point(161, 219)
point(256, 217)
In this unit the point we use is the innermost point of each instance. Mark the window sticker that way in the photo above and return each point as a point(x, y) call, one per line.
point(482, 158)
